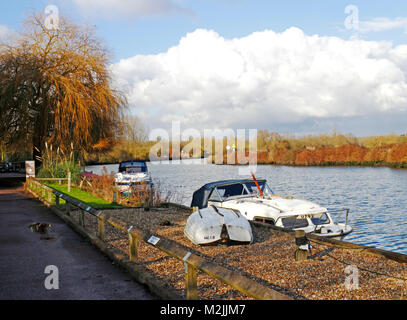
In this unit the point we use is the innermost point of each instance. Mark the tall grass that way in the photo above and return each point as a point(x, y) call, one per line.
point(101, 186)
point(140, 195)
point(56, 164)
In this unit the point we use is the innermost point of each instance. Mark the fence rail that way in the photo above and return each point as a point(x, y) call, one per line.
point(67, 179)
point(191, 261)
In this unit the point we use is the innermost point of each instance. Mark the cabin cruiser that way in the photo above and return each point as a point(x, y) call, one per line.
point(132, 173)
point(256, 201)
point(213, 225)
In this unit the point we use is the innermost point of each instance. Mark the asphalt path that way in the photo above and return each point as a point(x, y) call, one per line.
point(77, 270)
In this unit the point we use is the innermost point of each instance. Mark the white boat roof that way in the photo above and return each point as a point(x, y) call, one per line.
point(290, 205)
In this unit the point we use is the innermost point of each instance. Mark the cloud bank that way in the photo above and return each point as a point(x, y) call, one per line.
point(265, 79)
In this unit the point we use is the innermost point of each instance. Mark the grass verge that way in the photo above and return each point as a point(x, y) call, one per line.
point(86, 197)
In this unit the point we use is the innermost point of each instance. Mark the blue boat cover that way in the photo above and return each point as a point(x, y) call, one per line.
point(201, 196)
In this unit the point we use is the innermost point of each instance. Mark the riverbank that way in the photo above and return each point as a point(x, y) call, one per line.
point(362, 164)
point(269, 260)
point(347, 155)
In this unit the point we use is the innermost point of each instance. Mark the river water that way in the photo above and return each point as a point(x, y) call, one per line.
point(377, 197)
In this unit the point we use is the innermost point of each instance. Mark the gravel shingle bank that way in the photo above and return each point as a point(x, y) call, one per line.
point(268, 260)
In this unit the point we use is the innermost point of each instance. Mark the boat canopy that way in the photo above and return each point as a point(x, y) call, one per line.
point(226, 187)
point(133, 166)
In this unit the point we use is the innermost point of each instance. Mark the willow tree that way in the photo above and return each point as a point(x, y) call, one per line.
point(56, 87)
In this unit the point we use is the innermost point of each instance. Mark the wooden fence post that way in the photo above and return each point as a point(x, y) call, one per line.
point(49, 196)
point(101, 227)
point(68, 208)
point(57, 200)
point(133, 247)
point(81, 218)
point(69, 181)
point(191, 284)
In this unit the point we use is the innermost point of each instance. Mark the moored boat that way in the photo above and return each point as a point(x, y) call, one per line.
point(131, 174)
point(256, 201)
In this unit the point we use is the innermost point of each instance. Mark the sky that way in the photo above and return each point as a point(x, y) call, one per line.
point(298, 67)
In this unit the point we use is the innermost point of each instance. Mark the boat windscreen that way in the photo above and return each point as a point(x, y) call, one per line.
point(251, 186)
point(320, 218)
point(135, 169)
point(132, 167)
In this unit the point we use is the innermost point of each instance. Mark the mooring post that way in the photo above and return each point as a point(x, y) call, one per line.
point(302, 242)
point(191, 283)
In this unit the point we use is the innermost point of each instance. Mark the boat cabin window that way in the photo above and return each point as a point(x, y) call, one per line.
point(321, 218)
point(231, 190)
point(214, 196)
point(294, 222)
point(135, 169)
point(264, 220)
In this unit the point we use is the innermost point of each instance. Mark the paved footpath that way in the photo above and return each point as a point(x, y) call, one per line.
point(84, 273)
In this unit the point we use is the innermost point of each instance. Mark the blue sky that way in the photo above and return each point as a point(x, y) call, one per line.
point(138, 31)
point(149, 34)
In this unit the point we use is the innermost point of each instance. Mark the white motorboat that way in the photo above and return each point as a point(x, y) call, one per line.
point(255, 200)
point(212, 224)
point(131, 174)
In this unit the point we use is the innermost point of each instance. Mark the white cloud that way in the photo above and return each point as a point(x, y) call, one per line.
point(129, 8)
point(383, 24)
point(263, 79)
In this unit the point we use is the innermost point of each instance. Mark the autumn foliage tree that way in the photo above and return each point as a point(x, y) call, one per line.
point(56, 87)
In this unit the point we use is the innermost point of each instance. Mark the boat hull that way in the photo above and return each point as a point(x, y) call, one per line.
point(208, 225)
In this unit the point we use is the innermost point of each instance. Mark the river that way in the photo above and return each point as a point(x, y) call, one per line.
point(377, 197)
